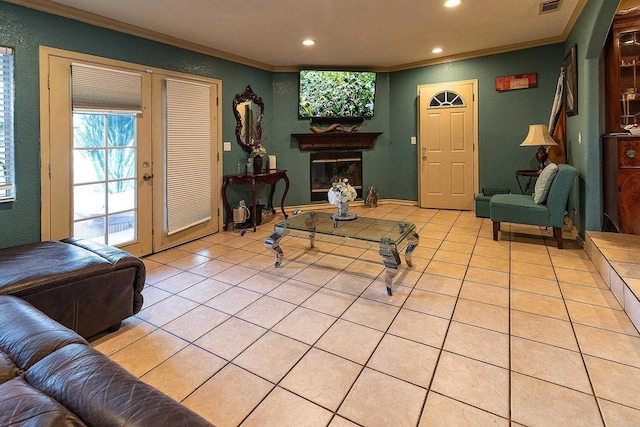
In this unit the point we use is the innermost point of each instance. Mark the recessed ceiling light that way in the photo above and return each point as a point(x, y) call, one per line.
point(452, 3)
point(309, 42)
point(437, 50)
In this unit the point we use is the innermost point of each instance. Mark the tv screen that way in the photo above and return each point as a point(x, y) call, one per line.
point(337, 94)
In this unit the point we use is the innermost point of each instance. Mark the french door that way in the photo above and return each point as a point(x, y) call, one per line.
point(97, 163)
point(105, 172)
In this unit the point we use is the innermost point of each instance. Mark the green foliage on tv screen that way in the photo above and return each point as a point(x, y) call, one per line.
point(336, 93)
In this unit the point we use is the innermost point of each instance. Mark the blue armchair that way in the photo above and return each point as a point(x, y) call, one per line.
point(521, 208)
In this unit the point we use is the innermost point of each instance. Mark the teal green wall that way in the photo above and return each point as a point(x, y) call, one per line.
point(503, 117)
point(589, 35)
point(391, 165)
point(26, 29)
point(376, 167)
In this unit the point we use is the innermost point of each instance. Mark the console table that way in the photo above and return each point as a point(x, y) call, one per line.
point(267, 177)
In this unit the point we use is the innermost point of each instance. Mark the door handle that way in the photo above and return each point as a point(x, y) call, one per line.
point(147, 177)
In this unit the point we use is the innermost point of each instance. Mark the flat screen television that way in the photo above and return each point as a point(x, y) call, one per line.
point(336, 94)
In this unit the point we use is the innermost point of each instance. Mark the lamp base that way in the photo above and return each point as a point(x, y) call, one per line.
point(541, 157)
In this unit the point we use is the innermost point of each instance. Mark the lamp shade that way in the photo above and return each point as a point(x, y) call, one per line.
point(538, 135)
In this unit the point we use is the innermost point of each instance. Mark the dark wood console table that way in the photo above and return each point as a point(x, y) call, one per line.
point(268, 177)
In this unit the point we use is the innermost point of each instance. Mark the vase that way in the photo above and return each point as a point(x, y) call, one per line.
point(257, 164)
point(343, 209)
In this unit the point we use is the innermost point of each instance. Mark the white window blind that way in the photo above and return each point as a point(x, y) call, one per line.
point(105, 89)
point(7, 171)
point(187, 155)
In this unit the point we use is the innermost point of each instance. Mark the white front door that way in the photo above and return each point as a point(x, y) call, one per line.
point(447, 134)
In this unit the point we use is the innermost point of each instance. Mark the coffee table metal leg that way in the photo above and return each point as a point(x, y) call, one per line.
point(388, 278)
point(413, 241)
point(272, 243)
point(312, 240)
point(390, 259)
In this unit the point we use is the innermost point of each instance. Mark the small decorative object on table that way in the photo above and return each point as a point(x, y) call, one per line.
point(372, 198)
point(257, 153)
point(340, 194)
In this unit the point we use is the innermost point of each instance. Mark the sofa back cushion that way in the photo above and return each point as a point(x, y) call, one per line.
point(30, 335)
point(544, 183)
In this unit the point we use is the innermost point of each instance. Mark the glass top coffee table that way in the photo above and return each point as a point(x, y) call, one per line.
point(391, 236)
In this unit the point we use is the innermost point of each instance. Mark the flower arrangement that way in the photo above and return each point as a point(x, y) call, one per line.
point(341, 192)
point(258, 150)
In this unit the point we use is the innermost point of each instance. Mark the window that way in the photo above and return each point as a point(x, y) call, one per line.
point(7, 174)
point(446, 99)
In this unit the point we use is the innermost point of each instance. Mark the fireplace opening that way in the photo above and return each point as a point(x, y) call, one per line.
point(328, 167)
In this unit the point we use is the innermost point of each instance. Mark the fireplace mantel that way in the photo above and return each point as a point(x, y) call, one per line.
point(336, 140)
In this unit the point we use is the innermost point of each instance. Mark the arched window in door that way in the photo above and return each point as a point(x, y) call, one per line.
point(446, 99)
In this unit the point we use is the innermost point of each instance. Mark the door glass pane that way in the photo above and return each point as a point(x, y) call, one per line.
point(88, 130)
point(122, 196)
point(122, 228)
point(89, 200)
point(122, 130)
point(122, 162)
point(88, 165)
point(104, 169)
point(91, 229)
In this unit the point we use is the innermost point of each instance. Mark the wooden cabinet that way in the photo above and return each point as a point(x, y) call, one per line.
point(622, 73)
point(621, 183)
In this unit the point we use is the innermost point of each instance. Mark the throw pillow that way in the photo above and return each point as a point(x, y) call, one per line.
point(544, 183)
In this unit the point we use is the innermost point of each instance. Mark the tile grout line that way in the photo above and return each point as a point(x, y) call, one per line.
point(575, 336)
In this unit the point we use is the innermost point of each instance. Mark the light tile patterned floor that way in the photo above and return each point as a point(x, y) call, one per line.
point(477, 332)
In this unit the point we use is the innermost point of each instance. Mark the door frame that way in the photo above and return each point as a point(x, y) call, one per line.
point(444, 85)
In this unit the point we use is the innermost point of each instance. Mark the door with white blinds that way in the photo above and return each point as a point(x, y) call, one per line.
point(186, 160)
point(129, 154)
point(98, 149)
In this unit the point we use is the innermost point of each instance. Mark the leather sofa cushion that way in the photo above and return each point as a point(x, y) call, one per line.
point(102, 393)
point(30, 335)
point(22, 405)
point(8, 369)
point(50, 264)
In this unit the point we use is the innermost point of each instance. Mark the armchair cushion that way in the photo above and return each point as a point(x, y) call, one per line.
point(543, 184)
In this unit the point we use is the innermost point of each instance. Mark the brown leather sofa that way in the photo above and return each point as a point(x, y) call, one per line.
point(50, 376)
point(86, 286)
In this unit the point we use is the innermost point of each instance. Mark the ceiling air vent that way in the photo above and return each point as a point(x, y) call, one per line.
point(550, 6)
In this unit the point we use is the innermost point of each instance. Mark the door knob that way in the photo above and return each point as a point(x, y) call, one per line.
point(147, 177)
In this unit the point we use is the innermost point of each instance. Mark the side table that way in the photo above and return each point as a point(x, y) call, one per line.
point(529, 177)
point(267, 177)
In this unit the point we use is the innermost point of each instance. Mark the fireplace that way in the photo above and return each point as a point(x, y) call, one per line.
point(329, 166)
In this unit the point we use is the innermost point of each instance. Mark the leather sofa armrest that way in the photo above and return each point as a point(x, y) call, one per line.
point(120, 260)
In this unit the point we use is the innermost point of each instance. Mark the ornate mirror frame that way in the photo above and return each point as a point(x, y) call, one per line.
point(248, 136)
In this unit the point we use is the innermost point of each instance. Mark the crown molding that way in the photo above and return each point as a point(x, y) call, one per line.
point(112, 24)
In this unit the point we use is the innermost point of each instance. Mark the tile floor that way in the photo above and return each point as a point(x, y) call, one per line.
point(478, 332)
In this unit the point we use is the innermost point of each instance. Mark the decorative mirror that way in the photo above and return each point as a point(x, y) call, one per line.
point(248, 109)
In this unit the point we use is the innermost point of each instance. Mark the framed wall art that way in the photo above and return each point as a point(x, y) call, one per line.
point(570, 70)
point(519, 81)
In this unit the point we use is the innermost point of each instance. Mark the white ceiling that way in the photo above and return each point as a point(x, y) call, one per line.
point(378, 34)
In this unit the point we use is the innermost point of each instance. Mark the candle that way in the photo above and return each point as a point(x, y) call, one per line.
point(272, 161)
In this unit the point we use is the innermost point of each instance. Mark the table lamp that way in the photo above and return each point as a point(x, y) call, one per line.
point(539, 136)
